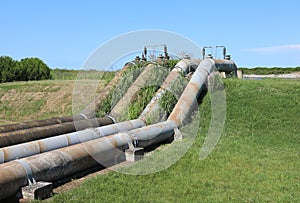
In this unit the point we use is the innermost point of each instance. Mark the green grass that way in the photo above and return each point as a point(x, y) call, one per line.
point(33, 100)
point(128, 77)
point(24, 101)
point(256, 160)
point(65, 74)
point(143, 97)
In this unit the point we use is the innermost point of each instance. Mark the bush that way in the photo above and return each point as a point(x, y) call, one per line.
point(7, 69)
point(266, 71)
point(24, 70)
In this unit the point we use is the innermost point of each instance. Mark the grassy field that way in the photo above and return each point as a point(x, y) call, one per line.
point(33, 100)
point(66, 74)
point(25, 101)
point(256, 160)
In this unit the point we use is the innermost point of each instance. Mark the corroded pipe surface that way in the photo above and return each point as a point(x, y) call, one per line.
point(43, 145)
point(188, 100)
point(27, 135)
point(37, 123)
point(57, 164)
point(153, 111)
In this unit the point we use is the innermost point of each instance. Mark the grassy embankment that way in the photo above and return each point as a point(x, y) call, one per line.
point(32, 100)
point(256, 160)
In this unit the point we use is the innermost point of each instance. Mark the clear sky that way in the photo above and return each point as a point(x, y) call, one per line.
point(64, 33)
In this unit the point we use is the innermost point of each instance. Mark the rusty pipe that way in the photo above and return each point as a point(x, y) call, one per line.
point(37, 123)
point(43, 145)
point(27, 135)
point(188, 100)
point(56, 164)
point(153, 110)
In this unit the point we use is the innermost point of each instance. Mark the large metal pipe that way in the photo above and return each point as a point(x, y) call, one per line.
point(37, 123)
point(27, 135)
point(90, 110)
point(40, 146)
point(152, 134)
point(56, 164)
point(139, 83)
point(225, 65)
point(153, 111)
point(188, 100)
point(59, 163)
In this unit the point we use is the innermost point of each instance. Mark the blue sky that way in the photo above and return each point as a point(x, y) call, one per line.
point(65, 33)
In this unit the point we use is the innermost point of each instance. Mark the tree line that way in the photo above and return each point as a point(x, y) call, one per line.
point(267, 71)
point(23, 70)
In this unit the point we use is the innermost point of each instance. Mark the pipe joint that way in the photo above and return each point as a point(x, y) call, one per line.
point(83, 115)
point(134, 140)
point(112, 118)
point(28, 170)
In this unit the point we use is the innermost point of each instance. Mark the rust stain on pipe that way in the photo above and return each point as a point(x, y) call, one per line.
point(21, 136)
point(188, 99)
point(43, 145)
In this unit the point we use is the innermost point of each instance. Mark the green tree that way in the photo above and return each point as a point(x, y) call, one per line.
point(32, 69)
point(7, 69)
